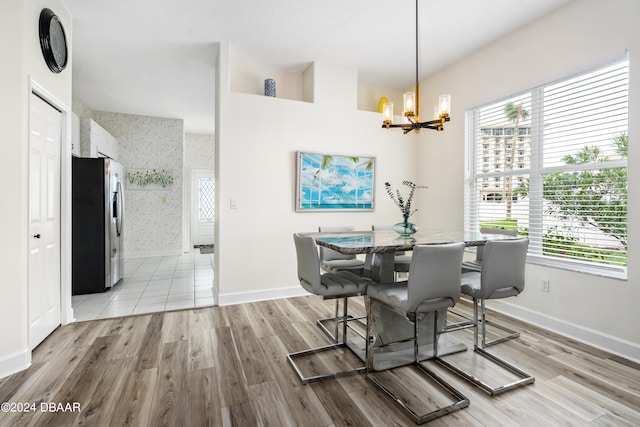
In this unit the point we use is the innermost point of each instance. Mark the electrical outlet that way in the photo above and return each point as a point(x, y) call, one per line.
point(544, 285)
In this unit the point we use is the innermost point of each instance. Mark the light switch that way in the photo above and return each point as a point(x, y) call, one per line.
point(233, 203)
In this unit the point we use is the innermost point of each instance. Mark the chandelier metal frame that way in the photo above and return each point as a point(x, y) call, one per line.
point(411, 119)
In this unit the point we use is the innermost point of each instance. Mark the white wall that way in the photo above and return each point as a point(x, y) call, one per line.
point(369, 97)
point(81, 109)
point(255, 164)
point(97, 142)
point(21, 58)
point(577, 37)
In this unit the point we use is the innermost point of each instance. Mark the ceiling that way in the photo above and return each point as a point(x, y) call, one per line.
point(157, 57)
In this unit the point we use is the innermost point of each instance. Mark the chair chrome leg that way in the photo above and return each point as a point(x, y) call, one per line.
point(482, 322)
point(305, 380)
point(475, 323)
point(335, 345)
point(435, 335)
point(345, 315)
point(335, 334)
point(524, 378)
point(460, 401)
point(511, 333)
point(324, 324)
point(369, 338)
point(416, 346)
point(466, 323)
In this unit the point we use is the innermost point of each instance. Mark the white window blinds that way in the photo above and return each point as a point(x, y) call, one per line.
point(552, 163)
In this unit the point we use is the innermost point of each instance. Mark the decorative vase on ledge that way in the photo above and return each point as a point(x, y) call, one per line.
point(405, 228)
point(270, 87)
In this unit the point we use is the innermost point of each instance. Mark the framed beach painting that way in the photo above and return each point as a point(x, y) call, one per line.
point(330, 182)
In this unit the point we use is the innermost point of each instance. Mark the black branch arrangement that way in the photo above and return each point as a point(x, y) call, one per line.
point(403, 204)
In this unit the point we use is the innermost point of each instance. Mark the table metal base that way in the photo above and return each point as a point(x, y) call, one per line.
point(393, 344)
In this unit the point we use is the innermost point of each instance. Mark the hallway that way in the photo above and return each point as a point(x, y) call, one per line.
point(153, 284)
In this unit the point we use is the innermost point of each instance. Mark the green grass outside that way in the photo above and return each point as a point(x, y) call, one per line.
point(559, 246)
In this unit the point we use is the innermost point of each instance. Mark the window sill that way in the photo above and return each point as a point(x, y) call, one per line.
point(618, 273)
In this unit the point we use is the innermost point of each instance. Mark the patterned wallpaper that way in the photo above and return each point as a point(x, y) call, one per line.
point(199, 151)
point(154, 215)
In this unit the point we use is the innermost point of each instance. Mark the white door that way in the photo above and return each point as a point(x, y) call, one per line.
point(203, 199)
point(44, 220)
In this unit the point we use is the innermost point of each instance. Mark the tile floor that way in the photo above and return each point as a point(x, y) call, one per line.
point(152, 285)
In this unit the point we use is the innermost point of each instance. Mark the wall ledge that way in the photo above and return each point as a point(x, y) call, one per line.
point(15, 362)
point(611, 344)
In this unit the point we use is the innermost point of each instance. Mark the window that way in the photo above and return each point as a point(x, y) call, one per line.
point(205, 199)
point(568, 189)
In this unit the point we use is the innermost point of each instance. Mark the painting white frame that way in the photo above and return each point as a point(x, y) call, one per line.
point(334, 182)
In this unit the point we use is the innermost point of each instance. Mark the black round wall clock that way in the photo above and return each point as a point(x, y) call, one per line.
point(53, 41)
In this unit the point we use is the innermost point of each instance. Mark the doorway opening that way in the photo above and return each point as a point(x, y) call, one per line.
point(202, 210)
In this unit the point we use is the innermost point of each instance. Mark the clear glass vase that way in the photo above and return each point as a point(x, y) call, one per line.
point(405, 228)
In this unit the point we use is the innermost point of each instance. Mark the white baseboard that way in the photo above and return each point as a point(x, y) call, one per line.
point(15, 362)
point(623, 348)
point(146, 254)
point(267, 294)
point(69, 316)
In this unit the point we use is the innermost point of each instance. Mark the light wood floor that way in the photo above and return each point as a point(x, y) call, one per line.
point(227, 366)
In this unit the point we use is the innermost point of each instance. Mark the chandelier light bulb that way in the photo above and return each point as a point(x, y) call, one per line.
point(387, 113)
point(444, 105)
point(409, 103)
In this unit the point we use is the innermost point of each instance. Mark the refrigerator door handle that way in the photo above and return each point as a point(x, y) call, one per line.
point(119, 208)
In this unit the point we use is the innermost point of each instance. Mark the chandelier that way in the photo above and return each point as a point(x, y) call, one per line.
point(410, 120)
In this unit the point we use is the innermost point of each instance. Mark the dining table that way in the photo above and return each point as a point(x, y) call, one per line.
point(382, 245)
point(392, 333)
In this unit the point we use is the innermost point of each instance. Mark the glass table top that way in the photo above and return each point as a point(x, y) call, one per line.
point(359, 242)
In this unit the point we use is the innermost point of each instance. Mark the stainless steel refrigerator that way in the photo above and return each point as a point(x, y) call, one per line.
point(97, 224)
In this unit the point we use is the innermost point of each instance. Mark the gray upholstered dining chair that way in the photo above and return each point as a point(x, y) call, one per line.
point(476, 264)
point(341, 285)
point(502, 276)
point(433, 286)
point(332, 261)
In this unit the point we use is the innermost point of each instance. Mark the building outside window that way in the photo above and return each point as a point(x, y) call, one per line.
point(567, 188)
